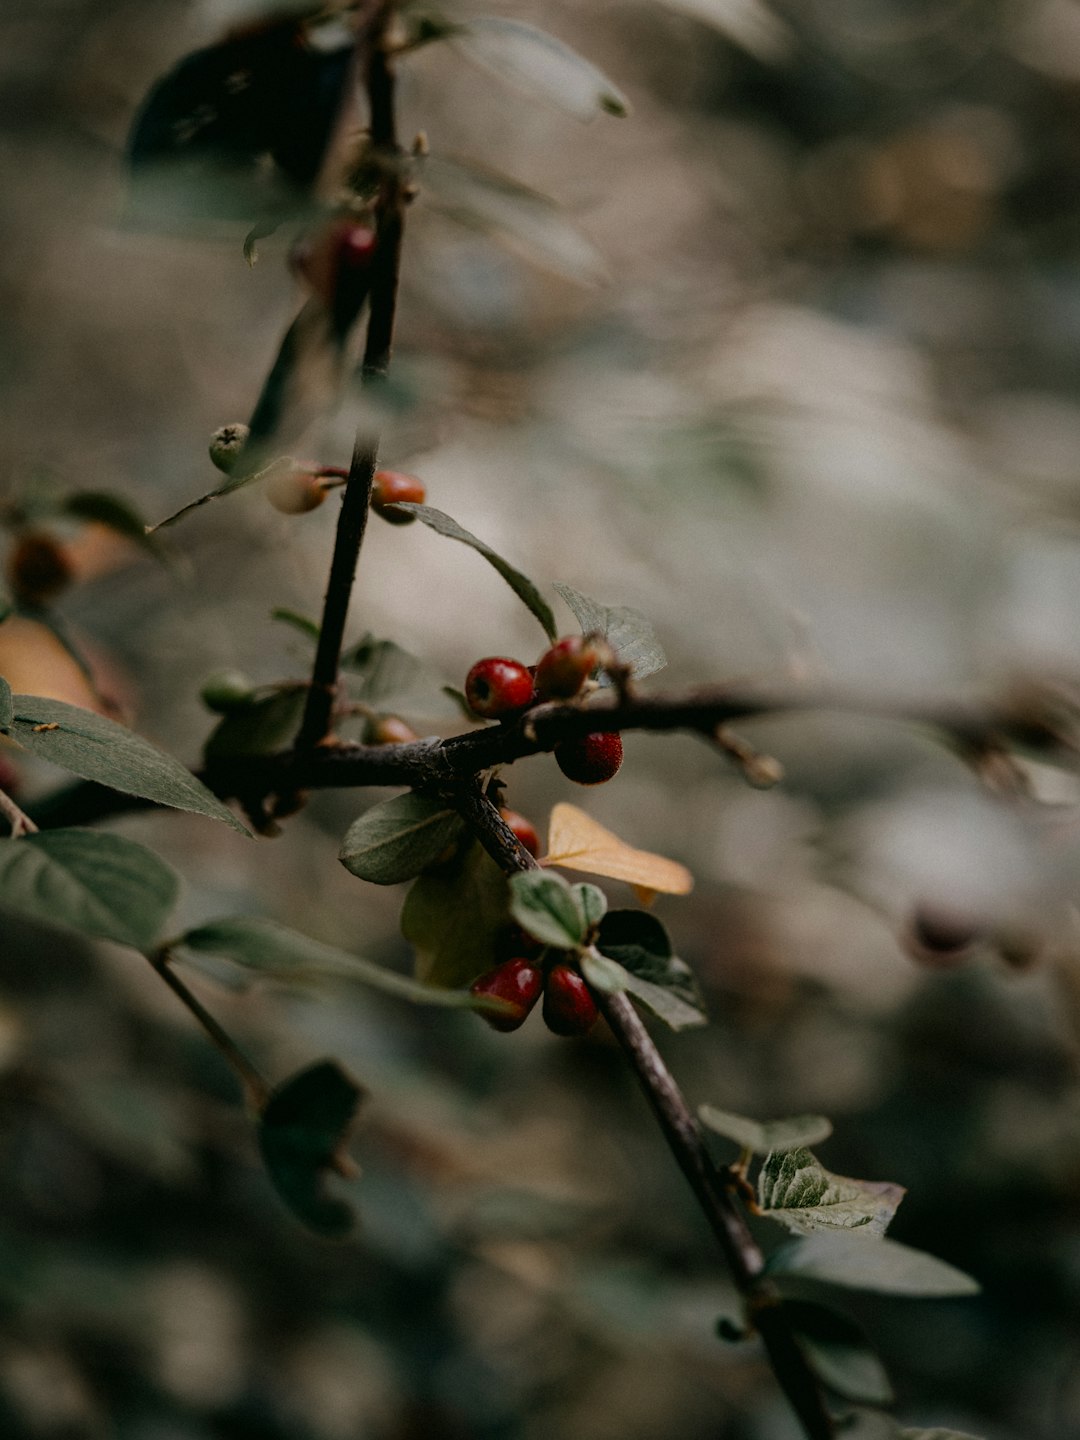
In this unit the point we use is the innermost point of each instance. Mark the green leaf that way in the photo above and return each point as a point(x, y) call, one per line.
point(839, 1352)
point(115, 513)
point(659, 979)
point(272, 950)
point(303, 1131)
point(796, 1189)
point(396, 839)
point(307, 627)
point(528, 222)
point(602, 973)
point(748, 23)
point(521, 585)
point(259, 728)
point(98, 749)
point(882, 1266)
point(389, 678)
point(7, 708)
point(86, 880)
point(544, 905)
point(538, 64)
point(763, 1136)
point(593, 904)
point(452, 917)
point(630, 635)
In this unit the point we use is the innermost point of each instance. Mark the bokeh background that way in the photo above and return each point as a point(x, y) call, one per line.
point(808, 396)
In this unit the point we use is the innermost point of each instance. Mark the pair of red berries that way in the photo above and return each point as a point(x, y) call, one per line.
point(499, 688)
point(569, 1008)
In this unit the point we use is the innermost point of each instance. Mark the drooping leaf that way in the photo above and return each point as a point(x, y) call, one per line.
point(303, 1132)
point(659, 979)
point(269, 949)
point(521, 585)
point(260, 728)
point(452, 917)
point(307, 627)
point(530, 223)
point(541, 65)
point(396, 839)
point(765, 1136)
point(796, 1189)
point(115, 513)
point(578, 842)
point(839, 1352)
point(547, 908)
point(627, 631)
point(95, 748)
point(882, 1266)
point(593, 904)
point(99, 884)
point(749, 23)
point(7, 708)
point(381, 674)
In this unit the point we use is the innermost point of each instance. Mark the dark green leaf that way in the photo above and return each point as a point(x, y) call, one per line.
point(307, 627)
point(861, 1262)
point(453, 916)
point(270, 949)
point(98, 749)
point(86, 880)
point(794, 1188)
point(529, 222)
point(593, 903)
point(840, 1353)
point(640, 943)
point(115, 513)
point(545, 906)
point(666, 1004)
point(7, 709)
point(540, 65)
point(396, 839)
point(763, 1136)
point(260, 728)
point(303, 1131)
point(388, 678)
point(630, 635)
point(521, 585)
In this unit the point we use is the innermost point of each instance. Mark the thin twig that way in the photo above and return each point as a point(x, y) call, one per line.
point(20, 822)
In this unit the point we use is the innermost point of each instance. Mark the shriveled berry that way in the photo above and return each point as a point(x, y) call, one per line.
point(518, 982)
point(390, 487)
point(38, 569)
point(496, 687)
point(569, 1008)
point(563, 670)
point(524, 831)
point(226, 691)
point(390, 730)
point(591, 759)
point(295, 490)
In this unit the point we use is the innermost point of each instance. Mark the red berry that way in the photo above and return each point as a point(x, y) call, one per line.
point(591, 759)
point(512, 941)
point(391, 486)
point(569, 1008)
point(295, 490)
point(516, 981)
point(563, 670)
point(497, 687)
point(38, 569)
point(356, 247)
point(524, 831)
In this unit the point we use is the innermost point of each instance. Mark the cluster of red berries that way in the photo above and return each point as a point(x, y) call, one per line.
point(498, 688)
point(569, 1008)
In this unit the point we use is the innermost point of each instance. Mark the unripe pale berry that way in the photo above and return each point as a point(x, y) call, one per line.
point(295, 490)
point(517, 981)
point(391, 486)
point(591, 759)
point(563, 670)
point(569, 1008)
point(390, 730)
point(497, 687)
point(524, 831)
point(226, 446)
point(37, 568)
point(226, 691)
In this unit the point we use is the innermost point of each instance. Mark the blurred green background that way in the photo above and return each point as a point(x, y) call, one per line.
point(819, 419)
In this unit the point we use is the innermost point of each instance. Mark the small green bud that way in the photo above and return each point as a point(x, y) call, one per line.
point(226, 691)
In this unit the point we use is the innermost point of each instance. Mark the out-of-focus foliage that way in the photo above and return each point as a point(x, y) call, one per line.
point(821, 421)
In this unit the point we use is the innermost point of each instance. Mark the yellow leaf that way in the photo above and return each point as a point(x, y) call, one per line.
point(577, 842)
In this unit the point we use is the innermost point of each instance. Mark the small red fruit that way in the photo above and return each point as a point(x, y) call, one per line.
point(516, 981)
point(38, 570)
point(592, 759)
point(563, 670)
point(356, 247)
point(496, 687)
point(569, 1008)
point(391, 486)
point(524, 831)
point(296, 490)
